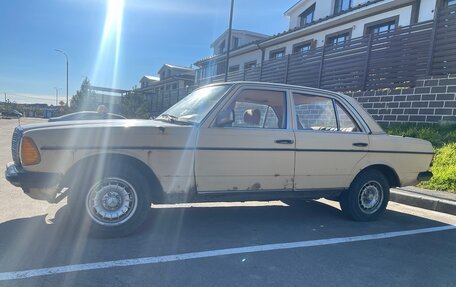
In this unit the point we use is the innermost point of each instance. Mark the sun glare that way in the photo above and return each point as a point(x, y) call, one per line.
point(107, 62)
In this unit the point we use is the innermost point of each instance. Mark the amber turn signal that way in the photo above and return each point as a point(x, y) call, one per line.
point(30, 154)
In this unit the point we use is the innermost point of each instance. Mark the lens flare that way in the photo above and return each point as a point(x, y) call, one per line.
point(105, 70)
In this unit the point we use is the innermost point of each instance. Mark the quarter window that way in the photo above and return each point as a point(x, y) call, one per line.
point(258, 109)
point(346, 122)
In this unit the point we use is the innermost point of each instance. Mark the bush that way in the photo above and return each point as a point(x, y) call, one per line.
point(437, 134)
point(443, 138)
point(444, 169)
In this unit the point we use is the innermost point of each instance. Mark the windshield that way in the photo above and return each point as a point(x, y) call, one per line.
point(194, 108)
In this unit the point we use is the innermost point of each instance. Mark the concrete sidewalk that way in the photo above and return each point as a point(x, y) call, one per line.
point(423, 198)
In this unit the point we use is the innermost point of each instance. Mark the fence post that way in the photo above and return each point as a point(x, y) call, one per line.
point(366, 67)
point(286, 68)
point(432, 42)
point(261, 71)
point(320, 73)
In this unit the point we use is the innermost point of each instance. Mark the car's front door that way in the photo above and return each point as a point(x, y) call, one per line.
point(253, 151)
point(329, 142)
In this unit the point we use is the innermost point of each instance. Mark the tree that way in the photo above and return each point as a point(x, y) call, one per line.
point(84, 100)
point(135, 105)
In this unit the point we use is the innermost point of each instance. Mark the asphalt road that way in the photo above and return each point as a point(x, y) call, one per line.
point(330, 250)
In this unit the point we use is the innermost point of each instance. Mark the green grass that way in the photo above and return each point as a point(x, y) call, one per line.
point(443, 138)
point(437, 134)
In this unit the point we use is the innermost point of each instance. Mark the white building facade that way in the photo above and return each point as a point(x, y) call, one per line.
point(315, 23)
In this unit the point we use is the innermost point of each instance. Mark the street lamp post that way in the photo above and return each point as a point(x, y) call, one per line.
point(66, 57)
point(229, 42)
point(56, 96)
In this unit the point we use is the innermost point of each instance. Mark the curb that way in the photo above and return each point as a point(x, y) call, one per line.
point(423, 201)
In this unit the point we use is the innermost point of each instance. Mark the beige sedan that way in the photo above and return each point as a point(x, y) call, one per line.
point(223, 142)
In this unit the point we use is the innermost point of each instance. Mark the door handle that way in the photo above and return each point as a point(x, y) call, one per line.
point(284, 141)
point(360, 144)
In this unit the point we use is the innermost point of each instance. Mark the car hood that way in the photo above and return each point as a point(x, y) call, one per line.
point(98, 124)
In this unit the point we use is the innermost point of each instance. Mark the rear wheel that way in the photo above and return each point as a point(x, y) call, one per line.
point(112, 204)
point(367, 197)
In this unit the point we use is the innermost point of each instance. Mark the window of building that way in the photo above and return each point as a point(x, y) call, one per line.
point(341, 5)
point(385, 27)
point(277, 54)
point(307, 16)
point(221, 48)
point(338, 39)
point(250, 65)
point(258, 109)
point(221, 67)
point(174, 87)
point(235, 42)
point(302, 47)
point(234, 68)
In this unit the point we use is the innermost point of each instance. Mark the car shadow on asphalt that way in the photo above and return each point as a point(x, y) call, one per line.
point(28, 243)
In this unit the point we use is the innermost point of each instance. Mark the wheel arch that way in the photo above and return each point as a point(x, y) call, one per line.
point(80, 168)
point(386, 170)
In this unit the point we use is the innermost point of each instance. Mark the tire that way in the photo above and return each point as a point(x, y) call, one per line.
point(367, 197)
point(112, 204)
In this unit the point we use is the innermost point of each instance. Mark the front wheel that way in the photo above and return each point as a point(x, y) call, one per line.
point(367, 197)
point(112, 204)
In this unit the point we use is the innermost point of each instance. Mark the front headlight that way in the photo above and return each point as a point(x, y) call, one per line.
point(30, 155)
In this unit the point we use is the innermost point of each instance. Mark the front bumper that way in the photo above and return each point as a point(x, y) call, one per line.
point(37, 185)
point(21, 178)
point(424, 176)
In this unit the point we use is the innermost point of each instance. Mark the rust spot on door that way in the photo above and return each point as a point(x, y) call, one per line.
point(256, 186)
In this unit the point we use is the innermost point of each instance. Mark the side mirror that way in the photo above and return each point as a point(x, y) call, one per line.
point(225, 118)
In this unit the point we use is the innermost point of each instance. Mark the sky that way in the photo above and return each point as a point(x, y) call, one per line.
point(113, 42)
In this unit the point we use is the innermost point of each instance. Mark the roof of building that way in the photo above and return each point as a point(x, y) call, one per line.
point(175, 67)
point(236, 31)
point(151, 78)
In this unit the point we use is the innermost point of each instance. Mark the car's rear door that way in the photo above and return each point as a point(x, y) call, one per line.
point(330, 140)
point(255, 152)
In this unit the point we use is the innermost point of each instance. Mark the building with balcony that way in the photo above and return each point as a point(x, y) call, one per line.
point(315, 23)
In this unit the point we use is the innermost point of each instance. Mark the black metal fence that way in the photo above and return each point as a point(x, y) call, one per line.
point(383, 61)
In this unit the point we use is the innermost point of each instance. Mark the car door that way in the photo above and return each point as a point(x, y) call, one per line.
point(252, 152)
point(329, 142)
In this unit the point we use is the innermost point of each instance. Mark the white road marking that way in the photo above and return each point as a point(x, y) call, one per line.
point(212, 253)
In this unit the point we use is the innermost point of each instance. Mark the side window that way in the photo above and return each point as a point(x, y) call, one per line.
point(315, 113)
point(346, 122)
point(258, 109)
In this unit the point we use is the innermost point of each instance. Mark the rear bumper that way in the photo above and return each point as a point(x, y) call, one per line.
point(424, 176)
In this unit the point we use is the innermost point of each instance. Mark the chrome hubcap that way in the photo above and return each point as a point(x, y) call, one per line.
point(111, 201)
point(371, 197)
